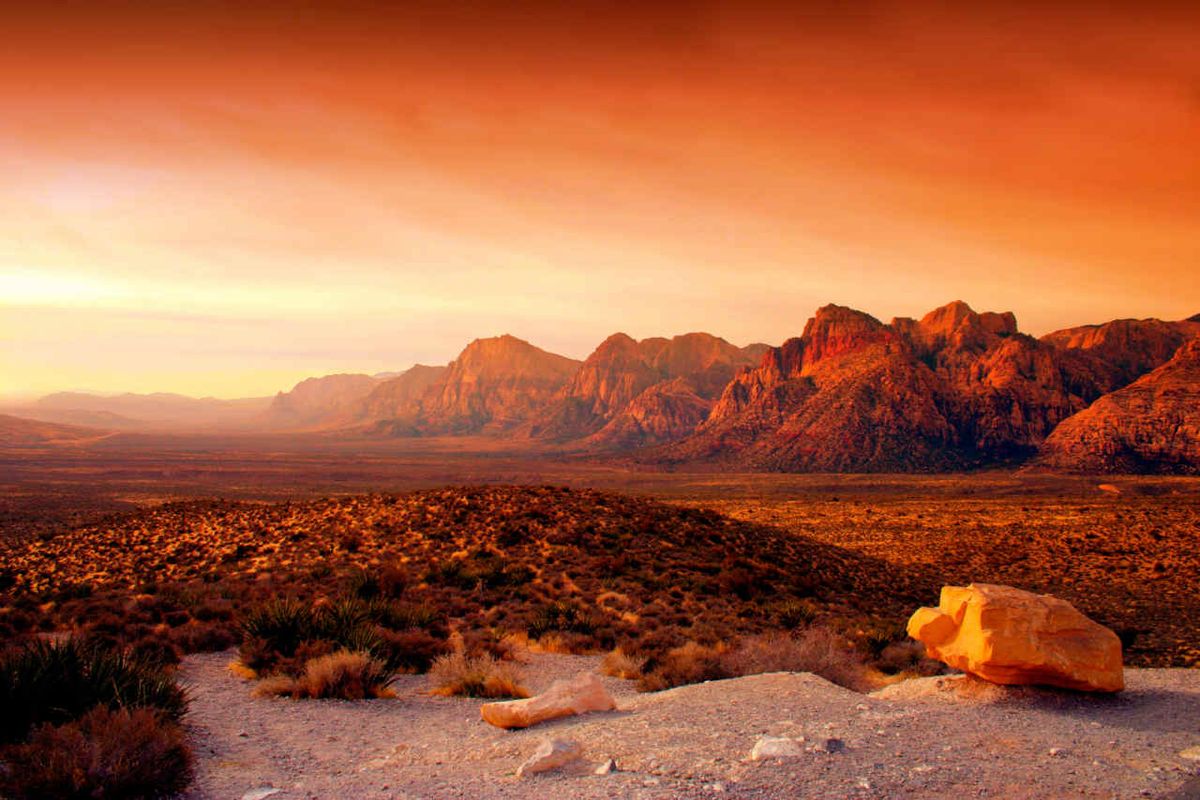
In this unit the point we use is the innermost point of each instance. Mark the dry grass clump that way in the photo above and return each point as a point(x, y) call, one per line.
point(817, 650)
point(460, 675)
point(125, 753)
point(344, 675)
point(619, 664)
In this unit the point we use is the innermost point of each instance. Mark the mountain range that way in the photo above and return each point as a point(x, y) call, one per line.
point(956, 389)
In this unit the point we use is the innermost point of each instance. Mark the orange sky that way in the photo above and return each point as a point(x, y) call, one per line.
point(200, 200)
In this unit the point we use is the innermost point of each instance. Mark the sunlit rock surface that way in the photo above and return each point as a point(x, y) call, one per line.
point(1011, 636)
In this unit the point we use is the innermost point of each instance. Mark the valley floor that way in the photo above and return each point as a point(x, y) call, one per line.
point(928, 738)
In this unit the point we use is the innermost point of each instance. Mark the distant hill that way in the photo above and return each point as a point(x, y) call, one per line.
point(19, 432)
point(956, 389)
point(318, 402)
point(399, 397)
point(158, 411)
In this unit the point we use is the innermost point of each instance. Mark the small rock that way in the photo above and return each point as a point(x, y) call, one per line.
point(1191, 753)
point(551, 754)
point(261, 793)
point(605, 768)
point(717, 787)
point(833, 745)
point(775, 747)
point(1055, 752)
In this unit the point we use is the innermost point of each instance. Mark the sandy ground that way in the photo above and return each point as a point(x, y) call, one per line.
point(931, 738)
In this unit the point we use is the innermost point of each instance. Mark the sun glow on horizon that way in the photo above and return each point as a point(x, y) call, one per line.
point(217, 199)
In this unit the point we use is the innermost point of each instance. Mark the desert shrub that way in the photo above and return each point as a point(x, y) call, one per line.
point(817, 650)
point(878, 637)
point(792, 613)
point(283, 636)
point(619, 664)
point(122, 753)
point(393, 580)
point(274, 631)
point(453, 573)
point(58, 682)
point(908, 658)
point(340, 620)
point(563, 617)
point(411, 650)
point(345, 675)
point(690, 663)
point(363, 585)
point(403, 616)
point(459, 675)
point(214, 612)
point(197, 637)
point(155, 651)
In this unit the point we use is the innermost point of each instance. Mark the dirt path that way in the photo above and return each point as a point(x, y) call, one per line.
point(934, 738)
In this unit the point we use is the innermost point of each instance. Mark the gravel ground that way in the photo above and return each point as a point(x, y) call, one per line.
point(929, 738)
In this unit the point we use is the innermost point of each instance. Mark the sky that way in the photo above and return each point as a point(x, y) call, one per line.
point(201, 198)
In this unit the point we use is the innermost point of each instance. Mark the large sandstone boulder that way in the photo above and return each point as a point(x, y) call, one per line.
point(579, 695)
point(1010, 636)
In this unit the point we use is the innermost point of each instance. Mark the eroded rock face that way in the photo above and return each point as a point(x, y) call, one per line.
point(627, 393)
point(1009, 636)
point(581, 694)
point(1152, 425)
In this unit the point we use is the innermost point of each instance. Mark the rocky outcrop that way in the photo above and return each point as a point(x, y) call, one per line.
point(630, 393)
point(398, 398)
point(663, 413)
point(579, 695)
point(493, 386)
point(1152, 425)
point(1009, 636)
point(1126, 349)
point(954, 389)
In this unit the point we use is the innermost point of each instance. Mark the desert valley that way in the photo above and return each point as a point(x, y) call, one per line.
point(681, 399)
point(665, 512)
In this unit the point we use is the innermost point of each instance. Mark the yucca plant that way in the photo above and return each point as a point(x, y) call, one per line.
point(58, 682)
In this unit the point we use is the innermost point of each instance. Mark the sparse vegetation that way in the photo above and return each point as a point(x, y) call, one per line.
point(345, 674)
point(457, 674)
point(619, 664)
point(346, 648)
point(817, 650)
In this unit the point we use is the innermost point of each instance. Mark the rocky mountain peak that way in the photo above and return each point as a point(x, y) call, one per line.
point(836, 330)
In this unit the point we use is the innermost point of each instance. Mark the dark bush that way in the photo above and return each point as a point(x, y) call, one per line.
point(123, 753)
point(57, 682)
